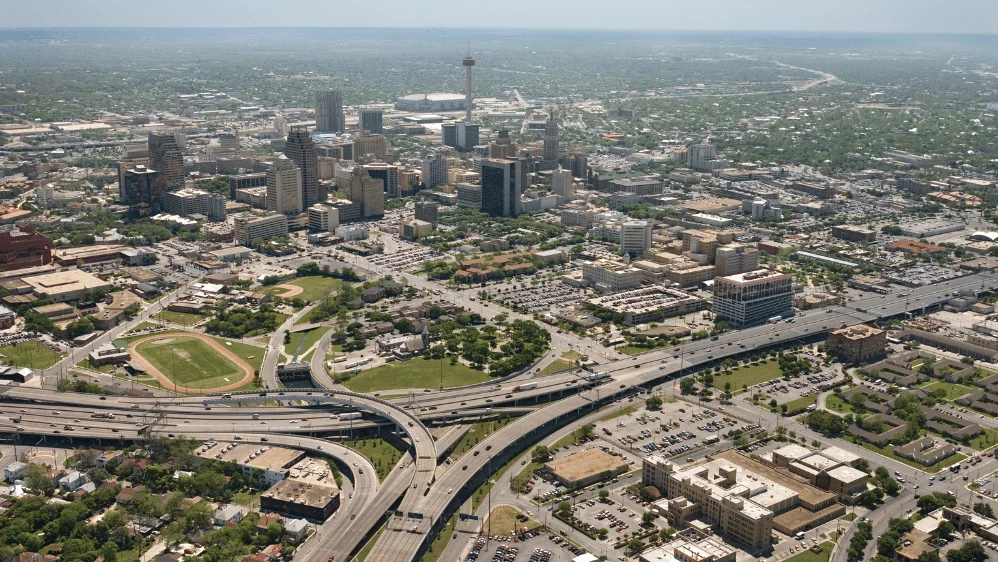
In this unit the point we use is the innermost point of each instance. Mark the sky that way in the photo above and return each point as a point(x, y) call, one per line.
point(907, 16)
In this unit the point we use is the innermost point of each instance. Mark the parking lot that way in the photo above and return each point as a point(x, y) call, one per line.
point(677, 430)
point(784, 391)
point(536, 546)
point(408, 256)
point(536, 299)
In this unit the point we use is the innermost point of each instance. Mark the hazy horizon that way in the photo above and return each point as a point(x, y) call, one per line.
point(889, 16)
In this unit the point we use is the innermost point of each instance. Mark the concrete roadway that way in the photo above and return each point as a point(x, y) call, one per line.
point(645, 370)
point(651, 367)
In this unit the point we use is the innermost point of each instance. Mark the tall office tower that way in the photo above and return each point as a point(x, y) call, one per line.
point(561, 184)
point(388, 175)
point(366, 192)
point(550, 157)
point(448, 134)
point(580, 166)
point(427, 211)
point(123, 166)
point(370, 145)
point(635, 237)
point(751, 298)
point(434, 170)
point(300, 148)
point(701, 156)
point(329, 112)
point(139, 188)
point(467, 136)
point(284, 187)
point(372, 121)
point(167, 159)
point(503, 181)
point(469, 62)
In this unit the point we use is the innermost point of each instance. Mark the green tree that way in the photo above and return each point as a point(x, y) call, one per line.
point(982, 508)
point(653, 403)
point(540, 454)
point(687, 386)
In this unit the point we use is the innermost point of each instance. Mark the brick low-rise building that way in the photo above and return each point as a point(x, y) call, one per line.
point(857, 344)
point(24, 247)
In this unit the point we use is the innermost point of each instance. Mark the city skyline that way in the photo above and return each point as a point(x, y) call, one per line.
point(919, 16)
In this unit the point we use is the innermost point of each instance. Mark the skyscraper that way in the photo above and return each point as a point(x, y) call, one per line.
point(329, 112)
point(300, 148)
point(434, 170)
point(167, 159)
point(367, 192)
point(140, 190)
point(372, 121)
point(550, 156)
point(284, 187)
point(561, 184)
point(462, 135)
point(502, 183)
point(388, 175)
point(366, 144)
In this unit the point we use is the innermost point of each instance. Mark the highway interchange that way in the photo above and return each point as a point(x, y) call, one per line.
point(411, 488)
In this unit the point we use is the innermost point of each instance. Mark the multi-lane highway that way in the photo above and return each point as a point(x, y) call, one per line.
point(648, 369)
point(566, 396)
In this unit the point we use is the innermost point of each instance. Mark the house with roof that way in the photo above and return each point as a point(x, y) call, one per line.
point(296, 530)
point(72, 481)
point(228, 514)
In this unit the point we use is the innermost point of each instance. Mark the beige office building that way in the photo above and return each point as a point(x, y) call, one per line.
point(284, 188)
point(249, 228)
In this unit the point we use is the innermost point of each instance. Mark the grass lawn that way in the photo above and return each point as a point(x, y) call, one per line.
point(626, 411)
point(571, 355)
point(808, 556)
point(248, 499)
point(415, 373)
point(143, 326)
point(369, 545)
point(558, 365)
point(635, 350)
point(836, 404)
point(439, 544)
point(985, 440)
point(476, 433)
point(520, 480)
point(382, 454)
point(251, 354)
point(182, 318)
point(482, 493)
point(311, 337)
point(190, 362)
point(799, 405)
point(503, 521)
point(750, 375)
point(31, 354)
point(888, 452)
point(316, 288)
point(849, 517)
point(953, 390)
point(85, 364)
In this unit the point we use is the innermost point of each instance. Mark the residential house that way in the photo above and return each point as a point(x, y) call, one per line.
point(228, 514)
point(296, 530)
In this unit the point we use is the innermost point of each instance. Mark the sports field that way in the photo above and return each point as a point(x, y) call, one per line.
point(191, 362)
point(312, 289)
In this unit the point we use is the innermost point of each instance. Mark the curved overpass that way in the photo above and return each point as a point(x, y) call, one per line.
point(648, 369)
